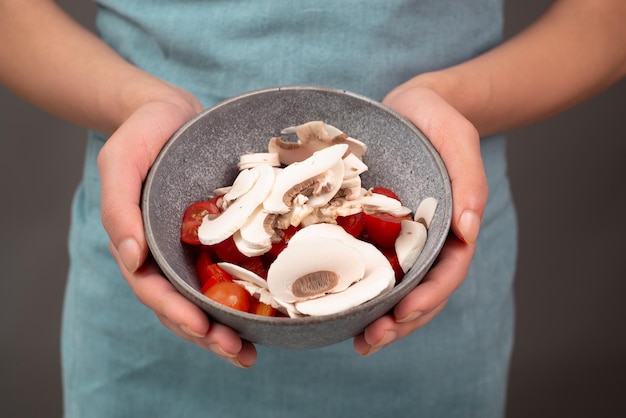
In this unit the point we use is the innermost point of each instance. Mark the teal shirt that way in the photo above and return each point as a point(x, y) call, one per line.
point(119, 361)
point(218, 49)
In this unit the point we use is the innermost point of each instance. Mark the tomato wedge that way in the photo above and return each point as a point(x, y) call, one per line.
point(255, 265)
point(382, 229)
point(209, 273)
point(229, 294)
point(392, 257)
point(227, 251)
point(259, 308)
point(192, 219)
point(352, 224)
point(280, 245)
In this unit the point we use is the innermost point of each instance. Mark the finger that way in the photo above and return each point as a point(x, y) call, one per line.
point(124, 162)
point(223, 342)
point(458, 143)
point(385, 330)
point(424, 302)
point(439, 283)
point(185, 319)
point(158, 294)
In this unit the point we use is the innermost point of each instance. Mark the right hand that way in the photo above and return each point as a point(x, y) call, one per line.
point(458, 143)
point(124, 162)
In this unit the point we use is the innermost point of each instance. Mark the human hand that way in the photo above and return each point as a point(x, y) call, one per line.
point(124, 162)
point(458, 143)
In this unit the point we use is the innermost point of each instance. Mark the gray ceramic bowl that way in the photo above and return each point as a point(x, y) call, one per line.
point(203, 155)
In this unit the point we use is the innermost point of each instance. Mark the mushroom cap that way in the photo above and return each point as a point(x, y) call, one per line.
point(313, 267)
point(378, 276)
point(358, 293)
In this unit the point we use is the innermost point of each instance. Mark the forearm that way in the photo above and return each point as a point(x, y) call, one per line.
point(54, 63)
point(575, 50)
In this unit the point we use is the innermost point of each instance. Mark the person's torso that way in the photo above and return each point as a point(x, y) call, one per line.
point(218, 49)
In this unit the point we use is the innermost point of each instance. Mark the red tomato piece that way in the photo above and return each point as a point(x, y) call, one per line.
point(227, 251)
point(382, 229)
point(385, 191)
point(259, 308)
point(229, 294)
point(192, 219)
point(255, 265)
point(391, 255)
point(280, 245)
point(210, 274)
point(352, 224)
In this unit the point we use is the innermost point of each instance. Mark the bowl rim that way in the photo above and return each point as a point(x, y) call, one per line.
point(191, 292)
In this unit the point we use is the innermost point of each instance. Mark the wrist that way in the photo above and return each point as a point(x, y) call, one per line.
point(120, 98)
point(470, 96)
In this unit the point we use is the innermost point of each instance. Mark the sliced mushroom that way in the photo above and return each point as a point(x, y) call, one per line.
point(312, 136)
point(241, 185)
point(293, 152)
point(313, 131)
point(339, 207)
point(355, 146)
point(410, 243)
point(300, 210)
point(243, 273)
point(253, 159)
point(288, 309)
point(376, 202)
point(213, 231)
point(256, 286)
point(254, 237)
point(296, 177)
point(354, 166)
point(357, 294)
point(378, 276)
point(426, 211)
point(351, 187)
point(313, 267)
point(327, 186)
point(317, 131)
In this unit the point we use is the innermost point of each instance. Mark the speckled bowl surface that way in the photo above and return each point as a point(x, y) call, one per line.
point(203, 155)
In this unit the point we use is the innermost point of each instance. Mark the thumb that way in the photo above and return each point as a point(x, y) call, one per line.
point(458, 143)
point(124, 162)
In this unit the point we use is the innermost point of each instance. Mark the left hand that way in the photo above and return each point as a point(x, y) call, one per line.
point(123, 163)
point(458, 143)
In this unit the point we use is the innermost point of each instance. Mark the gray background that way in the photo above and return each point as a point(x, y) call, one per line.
point(567, 176)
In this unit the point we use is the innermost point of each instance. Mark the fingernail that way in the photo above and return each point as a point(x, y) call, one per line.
point(232, 358)
point(217, 349)
point(237, 362)
point(191, 332)
point(410, 317)
point(388, 337)
point(469, 225)
point(129, 253)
